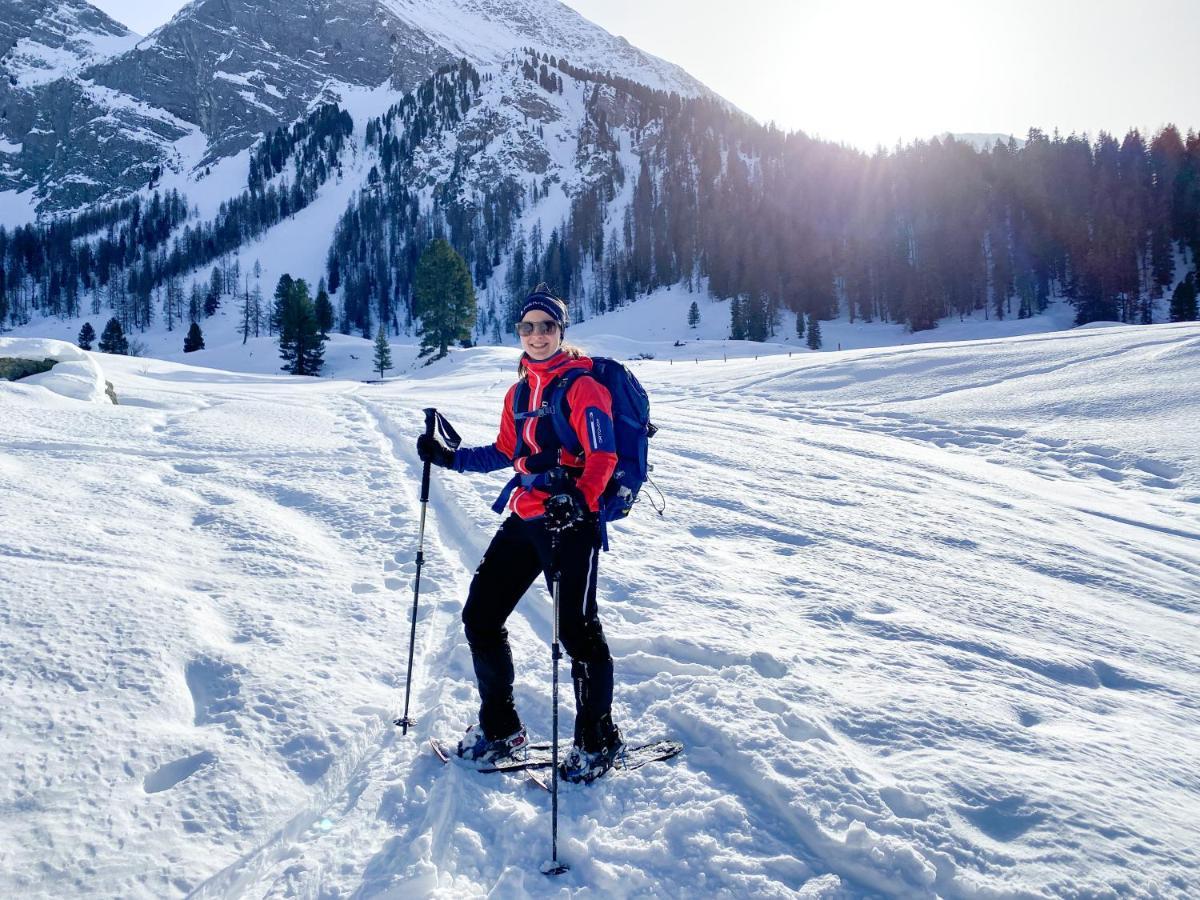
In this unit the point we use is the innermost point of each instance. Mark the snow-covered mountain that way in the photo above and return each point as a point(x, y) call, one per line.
point(222, 73)
point(45, 44)
point(44, 40)
point(927, 620)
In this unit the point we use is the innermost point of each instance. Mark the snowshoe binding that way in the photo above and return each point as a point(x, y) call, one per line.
point(585, 766)
point(477, 748)
point(596, 749)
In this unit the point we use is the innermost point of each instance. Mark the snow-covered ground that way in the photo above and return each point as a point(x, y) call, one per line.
point(652, 326)
point(927, 619)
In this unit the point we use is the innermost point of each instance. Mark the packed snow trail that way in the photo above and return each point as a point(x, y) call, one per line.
point(925, 620)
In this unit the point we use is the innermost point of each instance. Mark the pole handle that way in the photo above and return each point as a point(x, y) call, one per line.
point(430, 422)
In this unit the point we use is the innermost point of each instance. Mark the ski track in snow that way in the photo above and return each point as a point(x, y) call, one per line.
point(917, 641)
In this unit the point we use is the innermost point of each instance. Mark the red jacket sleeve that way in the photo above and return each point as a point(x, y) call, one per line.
point(591, 420)
point(506, 440)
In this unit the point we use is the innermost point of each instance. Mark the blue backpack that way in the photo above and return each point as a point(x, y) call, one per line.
point(632, 430)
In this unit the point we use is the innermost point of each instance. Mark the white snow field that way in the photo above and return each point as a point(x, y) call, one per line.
point(927, 619)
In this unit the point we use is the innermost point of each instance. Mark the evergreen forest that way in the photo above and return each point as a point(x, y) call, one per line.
point(676, 191)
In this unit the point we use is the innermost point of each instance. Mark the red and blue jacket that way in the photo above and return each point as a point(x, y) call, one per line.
point(529, 443)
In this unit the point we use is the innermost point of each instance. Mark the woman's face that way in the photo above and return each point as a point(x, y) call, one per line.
point(540, 345)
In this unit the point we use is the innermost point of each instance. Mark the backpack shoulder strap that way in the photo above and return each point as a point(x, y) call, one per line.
point(518, 416)
point(561, 413)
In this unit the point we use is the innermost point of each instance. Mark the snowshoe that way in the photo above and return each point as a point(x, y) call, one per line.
point(477, 748)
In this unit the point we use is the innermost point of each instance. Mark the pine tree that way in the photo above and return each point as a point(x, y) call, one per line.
point(383, 353)
point(195, 303)
point(814, 333)
point(800, 324)
point(737, 324)
point(212, 300)
point(247, 311)
point(87, 334)
point(301, 346)
point(113, 339)
point(1183, 301)
point(256, 305)
point(693, 315)
point(283, 291)
point(443, 298)
point(324, 311)
point(194, 340)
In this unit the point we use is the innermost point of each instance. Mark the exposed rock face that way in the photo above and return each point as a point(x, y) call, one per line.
point(238, 68)
point(42, 39)
point(16, 369)
point(43, 44)
point(88, 116)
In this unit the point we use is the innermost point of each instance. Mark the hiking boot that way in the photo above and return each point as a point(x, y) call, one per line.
point(585, 766)
point(595, 750)
point(478, 748)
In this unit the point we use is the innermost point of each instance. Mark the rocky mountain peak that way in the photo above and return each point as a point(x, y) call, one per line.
point(41, 40)
point(103, 119)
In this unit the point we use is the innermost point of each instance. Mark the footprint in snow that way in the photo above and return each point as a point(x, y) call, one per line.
point(799, 729)
point(362, 587)
point(905, 805)
point(1115, 680)
point(195, 469)
point(1001, 818)
point(216, 690)
point(767, 665)
point(771, 705)
point(166, 777)
point(308, 756)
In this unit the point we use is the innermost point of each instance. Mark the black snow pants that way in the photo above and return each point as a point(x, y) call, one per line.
point(519, 552)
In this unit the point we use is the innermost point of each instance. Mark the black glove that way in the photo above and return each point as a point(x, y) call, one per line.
point(564, 512)
point(431, 450)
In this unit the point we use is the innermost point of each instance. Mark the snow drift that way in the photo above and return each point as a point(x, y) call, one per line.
point(76, 374)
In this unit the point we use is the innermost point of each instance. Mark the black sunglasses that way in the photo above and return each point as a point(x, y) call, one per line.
point(525, 329)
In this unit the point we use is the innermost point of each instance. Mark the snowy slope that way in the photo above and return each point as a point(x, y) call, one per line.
point(489, 31)
point(926, 618)
point(52, 40)
point(230, 71)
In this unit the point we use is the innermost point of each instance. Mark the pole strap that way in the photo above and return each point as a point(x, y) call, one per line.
point(446, 431)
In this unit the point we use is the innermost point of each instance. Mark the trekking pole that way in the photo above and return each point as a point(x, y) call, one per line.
point(554, 867)
point(404, 721)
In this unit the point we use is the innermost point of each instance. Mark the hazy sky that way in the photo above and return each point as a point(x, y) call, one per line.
point(875, 71)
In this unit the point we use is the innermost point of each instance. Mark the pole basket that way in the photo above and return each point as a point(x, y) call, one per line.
point(554, 867)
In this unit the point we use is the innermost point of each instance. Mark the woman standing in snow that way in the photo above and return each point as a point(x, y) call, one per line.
point(554, 495)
